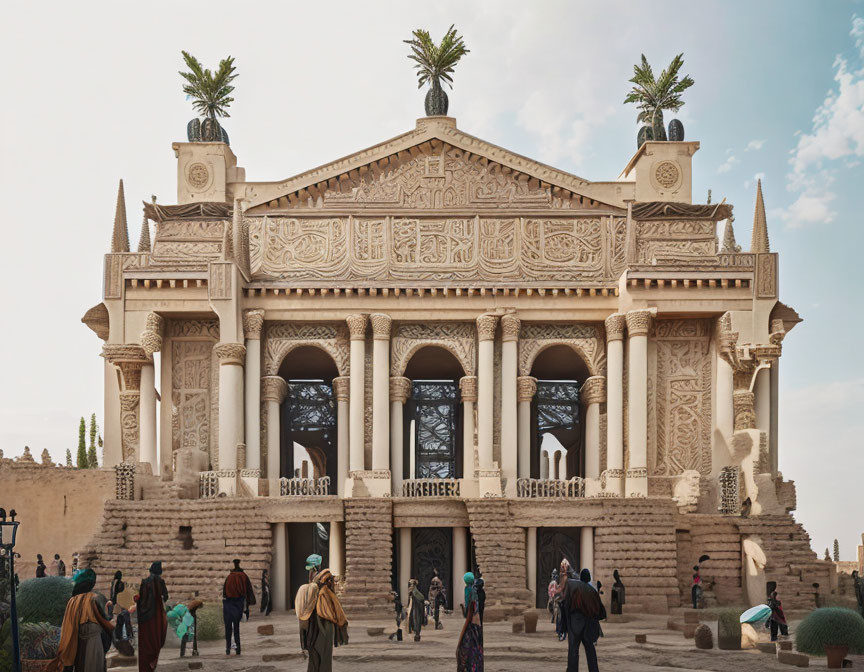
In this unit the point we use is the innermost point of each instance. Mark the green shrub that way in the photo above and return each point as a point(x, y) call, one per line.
point(39, 641)
point(729, 630)
point(703, 637)
point(44, 600)
point(211, 626)
point(831, 626)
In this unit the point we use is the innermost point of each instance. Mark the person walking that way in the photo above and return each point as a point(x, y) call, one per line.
point(696, 590)
point(585, 610)
point(152, 619)
point(237, 597)
point(469, 650)
point(84, 621)
point(122, 600)
point(328, 625)
point(61, 566)
point(416, 610)
point(266, 600)
point(306, 598)
point(40, 567)
point(777, 620)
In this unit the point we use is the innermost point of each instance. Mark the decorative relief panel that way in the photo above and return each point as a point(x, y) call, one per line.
point(469, 248)
point(189, 241)
point(283, 337)
point(586, 339)
point(766, 276)
point(661, 238)
point(682, 398)
point(456, 337)
point(192, 380)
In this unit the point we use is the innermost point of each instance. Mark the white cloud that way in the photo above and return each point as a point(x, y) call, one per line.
point(752, 182)
point(754, 145)
point(730, 161)
point(810, 208)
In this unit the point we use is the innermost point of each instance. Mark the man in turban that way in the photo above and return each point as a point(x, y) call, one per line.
point(307, 596)
point(81, 633)
point(328, 626)
point(152, 620)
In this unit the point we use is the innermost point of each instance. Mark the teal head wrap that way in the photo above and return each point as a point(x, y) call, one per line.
point(84, 575)
point(469, 587)
point(313, 562)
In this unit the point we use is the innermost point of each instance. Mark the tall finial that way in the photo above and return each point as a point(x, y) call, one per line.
point(729, 244)
point(120, 236)
point(759, 242)
point(144, 238)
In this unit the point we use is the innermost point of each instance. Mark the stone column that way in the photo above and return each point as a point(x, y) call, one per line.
point(531, 562)
point(510, 325)
point(400, 390)
point(151, 342)
point(773, 435)
point(357, 327)
point(762, 392)
point(592, 394)
point(253, 321)
point(545, 462)
point(275, 389)
point(404, 569)
point(337, 548)
point(460, 564)
point(380, 391)
point(526, 389)
point(586, 550)
point(341, 388)
point(725, 387)
point(615, 405)
point(231, 358)
point(129, 359)
point(279, 568)
point(638, 324)
point(468, 386)
point(486, 325)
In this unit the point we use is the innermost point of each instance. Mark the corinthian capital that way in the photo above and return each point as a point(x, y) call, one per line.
point(468, 385)
point(342, 388)
point(526, 388)
point(400, 389)
point(274, 389)
point(253, 322)
point(230, 353)
point(357, 326)
point(151, 337)
point(593, 391)
point(615, 324)
point(380, 326)
point(128, 359)
point(639, 321)
point(486, 325)
point(510, 325)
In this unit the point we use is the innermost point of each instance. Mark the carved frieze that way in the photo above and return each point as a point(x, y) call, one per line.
point(192, 391)
point(662, 238)
point(456, 337)
point(585, 339)
point(682, 398)
point(766, 276)
point(283, 337)
point(129, 434)
point(182, 242)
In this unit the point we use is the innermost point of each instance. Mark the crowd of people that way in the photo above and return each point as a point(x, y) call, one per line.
point(576, 608)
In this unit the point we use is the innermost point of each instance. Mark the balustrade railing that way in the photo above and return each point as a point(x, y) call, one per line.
point(730, 499)
point(208, 484)
point(431, 487)
point(125, 484)
point(304, 487)
point(547, 487)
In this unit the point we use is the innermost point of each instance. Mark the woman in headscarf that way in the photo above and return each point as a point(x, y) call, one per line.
point(152, 620)
point(81, 633)
point(561, 620)
point(328, 626)
point(416, 609)
point(306, 597)
point(469, 650)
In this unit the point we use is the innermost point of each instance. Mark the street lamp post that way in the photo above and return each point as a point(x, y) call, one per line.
point(8, 531)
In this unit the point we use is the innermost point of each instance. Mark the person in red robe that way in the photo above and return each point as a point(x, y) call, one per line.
point(237, 596)
point(152, 619)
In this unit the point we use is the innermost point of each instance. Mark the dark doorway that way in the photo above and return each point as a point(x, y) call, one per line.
point(309, 418)
point(304, 539)
point(553, 545)
point(434, 413)
point(432, 548)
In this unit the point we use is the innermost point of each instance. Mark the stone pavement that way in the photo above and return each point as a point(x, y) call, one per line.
point(665, 650)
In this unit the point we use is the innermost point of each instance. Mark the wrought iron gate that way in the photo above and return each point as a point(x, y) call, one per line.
point(553, 545)
point(432, 548)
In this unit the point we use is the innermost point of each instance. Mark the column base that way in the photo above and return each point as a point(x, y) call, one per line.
point(612, 481)
point(637, 482)
point(369, 483)
point(489, 482)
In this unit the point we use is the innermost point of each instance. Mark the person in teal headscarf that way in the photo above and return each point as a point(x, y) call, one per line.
point(180, 620)
point(469, 651)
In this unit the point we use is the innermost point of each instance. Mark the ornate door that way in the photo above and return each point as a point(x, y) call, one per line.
point(553, 545)
point(432, 548)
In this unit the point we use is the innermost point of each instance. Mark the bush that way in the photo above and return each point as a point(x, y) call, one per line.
point(39, 641)
point(831, 626)
point(211, 626)
point(704, 638)
point(44, 600)
point(729, 630)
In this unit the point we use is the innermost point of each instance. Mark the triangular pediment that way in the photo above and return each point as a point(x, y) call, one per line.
point(434, 167)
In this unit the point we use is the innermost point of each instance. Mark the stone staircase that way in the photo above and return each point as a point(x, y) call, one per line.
point(499, 547)
point(368, 556)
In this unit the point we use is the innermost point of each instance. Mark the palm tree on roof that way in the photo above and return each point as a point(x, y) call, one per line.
point(652, 96)
point(435, 63)
point(211, 96)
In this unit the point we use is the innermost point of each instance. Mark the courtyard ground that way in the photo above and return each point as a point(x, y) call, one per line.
point(666, 650)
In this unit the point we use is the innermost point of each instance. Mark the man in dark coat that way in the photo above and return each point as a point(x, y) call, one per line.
point(152, 619)
point(581, 602)
point(40, 567)
point(237, 596)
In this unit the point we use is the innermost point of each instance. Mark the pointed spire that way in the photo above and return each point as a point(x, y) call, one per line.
point(729, 244)
point(759, 242)
point(144, 238)
point(120, 236)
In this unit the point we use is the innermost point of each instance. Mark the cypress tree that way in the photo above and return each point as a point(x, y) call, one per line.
point(92, 460)
point(93, 430)
point(68, 458)
point(82, 445)
point(836, 551)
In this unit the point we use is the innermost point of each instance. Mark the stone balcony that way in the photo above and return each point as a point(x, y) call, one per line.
point(431, 487)
point(534, 488)
point(304, 487)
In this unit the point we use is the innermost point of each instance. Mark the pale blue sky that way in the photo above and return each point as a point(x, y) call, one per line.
point(92, 95)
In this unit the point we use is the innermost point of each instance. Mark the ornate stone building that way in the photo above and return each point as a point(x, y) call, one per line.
point(436, 353)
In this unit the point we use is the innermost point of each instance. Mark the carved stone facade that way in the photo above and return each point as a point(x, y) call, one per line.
point(585, 339)
point(456, 338)
point(283, 337)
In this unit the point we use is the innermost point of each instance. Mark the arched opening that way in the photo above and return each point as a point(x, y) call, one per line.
point(433, 415)
point(308, 441)
point(558, 433)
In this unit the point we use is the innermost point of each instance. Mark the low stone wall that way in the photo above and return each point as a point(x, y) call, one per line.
point(60, 508)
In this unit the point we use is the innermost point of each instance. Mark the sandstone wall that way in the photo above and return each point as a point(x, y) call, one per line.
point(60, 508)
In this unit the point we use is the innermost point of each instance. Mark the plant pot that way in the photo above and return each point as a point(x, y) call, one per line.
point(676, 131)
point(645, 133)
point(436, 102)
point(659, 127)
point(530, 621)
point(835, 655)
point(193, 130)
point(34, 665)
point(211, 131)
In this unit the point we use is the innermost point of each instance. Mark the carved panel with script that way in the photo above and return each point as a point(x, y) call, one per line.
point(663, 238)
point(568, 249)
point(682, 398)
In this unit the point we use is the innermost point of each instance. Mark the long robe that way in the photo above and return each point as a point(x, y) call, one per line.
point(152, 622)
point(328, 628)
point(469, 650)
point(416, 612)
point(81, 636)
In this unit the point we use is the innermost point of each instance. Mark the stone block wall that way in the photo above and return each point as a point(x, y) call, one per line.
point(719, 538)
point(196, 541)
point(368, 555)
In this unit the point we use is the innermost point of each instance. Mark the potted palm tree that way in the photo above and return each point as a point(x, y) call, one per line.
point(652, 96)
point(211, 95)
point(434, 64)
